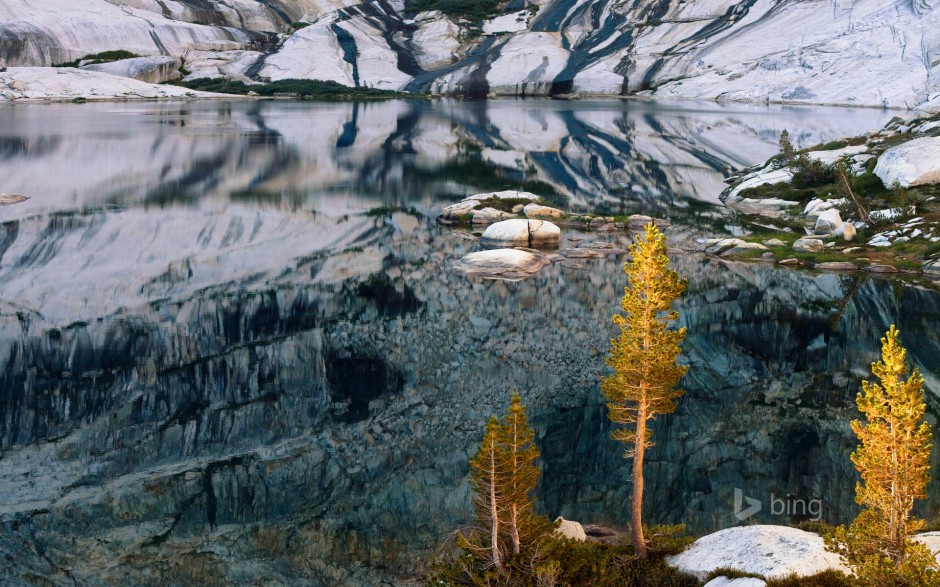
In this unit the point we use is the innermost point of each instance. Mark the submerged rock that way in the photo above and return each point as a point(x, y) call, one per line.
point(502, 263)
point(837, 266)
point(912, 163)
point(770, 551)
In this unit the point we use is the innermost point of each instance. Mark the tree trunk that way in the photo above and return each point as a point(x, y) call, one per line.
point(494, 536)
point(514, 530)
point(636, 519)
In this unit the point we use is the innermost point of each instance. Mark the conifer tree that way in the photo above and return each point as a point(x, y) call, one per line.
point(893, 459)
point(503, 476)
point(643, 358)
point(520, 472)
point(486, 478)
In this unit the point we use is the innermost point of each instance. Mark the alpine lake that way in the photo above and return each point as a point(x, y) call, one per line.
point(233, 349)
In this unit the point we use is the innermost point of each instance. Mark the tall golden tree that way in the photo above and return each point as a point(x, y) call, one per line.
point(643, 357)
point(520, 471)
point(894, 461)
point(486, 478)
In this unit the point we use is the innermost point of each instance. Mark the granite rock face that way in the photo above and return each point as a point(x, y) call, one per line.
point(707, 49)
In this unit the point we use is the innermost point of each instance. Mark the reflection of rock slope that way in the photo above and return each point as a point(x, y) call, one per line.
point(634, 157)
point(278, 408)
point(755, 50)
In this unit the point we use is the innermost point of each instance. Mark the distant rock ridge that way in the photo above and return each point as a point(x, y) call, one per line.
point(799, 52)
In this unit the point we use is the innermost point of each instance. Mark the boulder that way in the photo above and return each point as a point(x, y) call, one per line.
point(488, 216)
point(570, 529)
point(502, 263)
point(808, 245)
point(521, 233)
point(791, 262)
point(879, 268)
point(537, 210)
point(837, 266)
point(459, 210)
point(769, 551)
point(828, 222)
point(542, 232)
point(848, 231)
point(637, 221)
point(153, 70)
point(774, 242)
point(912, 163)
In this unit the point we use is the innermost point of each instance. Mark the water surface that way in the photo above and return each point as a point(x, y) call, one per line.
point(233, 349)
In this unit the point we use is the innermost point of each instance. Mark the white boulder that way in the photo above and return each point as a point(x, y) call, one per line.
point(769, 551)
point(912, 163)
point(488, 216)
point(521, 233)
point(828, 222)
point(570, 529)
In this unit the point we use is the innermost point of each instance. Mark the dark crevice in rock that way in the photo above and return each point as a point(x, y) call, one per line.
point(350, 54)
point(359, 379)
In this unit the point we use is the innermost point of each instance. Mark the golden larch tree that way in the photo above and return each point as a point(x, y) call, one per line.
point(643, 357)
point(520, 472)
point(894, 462)
point(486, 479)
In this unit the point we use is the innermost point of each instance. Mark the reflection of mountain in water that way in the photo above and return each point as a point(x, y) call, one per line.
point(635, 156)
point(219, 390)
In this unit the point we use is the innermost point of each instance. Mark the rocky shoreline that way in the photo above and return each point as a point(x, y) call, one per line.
point(868, 204)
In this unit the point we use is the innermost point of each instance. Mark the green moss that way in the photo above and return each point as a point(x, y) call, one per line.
point(503, 204)
point(310, 89)
point(825, 579)
point(731, 573)
point(387, 211)
point(105, 57)
point(472, 10)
